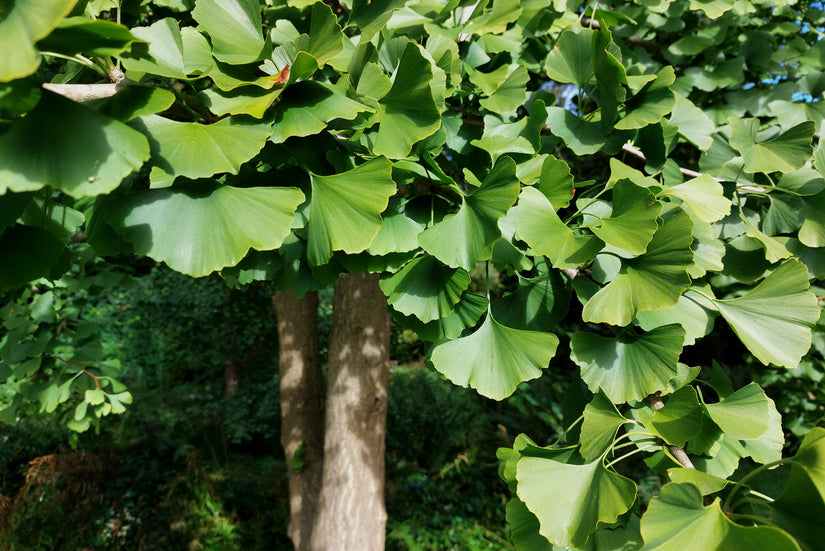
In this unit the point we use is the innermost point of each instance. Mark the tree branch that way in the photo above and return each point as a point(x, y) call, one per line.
point(86, 92)
point(627, 148)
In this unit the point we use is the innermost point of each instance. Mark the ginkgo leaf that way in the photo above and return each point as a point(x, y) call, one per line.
point(694, 312)
point(234, 27)
point(652, 103)
point(464, 238)
point(345, 209)
point(537, 304)
point(201, 226)
point(425, 288)
point(704, 197)
point(678, 421)
point(22, 24)
point(786, 152)
point(465, 315)
point(556, 182)
point(633, 219)
point(628, 367)
point(494, 359)
point(543, 230)
point(692, 122)
point(800, 507)
point(571, 59)
point(582, 136)
point(649, 282)
point(307, 107)
point(407, 113)
point(743, 415)
point(108, 152)
point(80, 35)
point(504, 87)
point(199, 150)
point(809, 458)
point(524, 528)
point(676, 519)
point(774, 319)
point(370, 17)
point(584, 496)
point(601, 422)
point(398, 234)
point(174, 52)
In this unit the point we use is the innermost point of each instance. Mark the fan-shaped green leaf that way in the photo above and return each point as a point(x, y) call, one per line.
point(676, 520)
point(494, 359)
point(80, 35)
point(464, 238)
point(305, 108)
point(744, 414)
point(398, 233)
point(345, 209)
point(811, 458)
point(425, 288)
point(774, 319)
point(30, 159)
point(633, 220)
point(199, 150)
point(628, 367)
point(584, 496)
point(494, 20)
point(521, 136)
point(652, 103)
point(582, 136)
point(325, 37)
point(504, 88)
point(202, 226)
point(234, 27)
point(649, 282)
point(694, 312)
point(537, 304)
point(175, 52)
point(692, 122)
point(22, 24)
point(556, 182)
point(678, 421)
point(704, 197)
point(543, 230)
point(524, 528)
point(136, 101)
point(466, 314)
point(706, 483)
point(370, 16)
point(407, 113)
point(601, 422)
point(786, 152)
point(800, 509)
point(571, 59)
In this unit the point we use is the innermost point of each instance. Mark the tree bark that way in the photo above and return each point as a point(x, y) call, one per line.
point(352, 515)
point(302, 409)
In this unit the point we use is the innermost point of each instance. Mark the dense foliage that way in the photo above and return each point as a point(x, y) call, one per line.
point(673, 195)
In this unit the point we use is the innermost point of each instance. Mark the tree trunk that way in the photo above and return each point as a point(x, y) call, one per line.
point(302, 409)
point(352, 516)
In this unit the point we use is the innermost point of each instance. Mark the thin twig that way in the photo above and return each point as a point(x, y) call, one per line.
point(627, 148)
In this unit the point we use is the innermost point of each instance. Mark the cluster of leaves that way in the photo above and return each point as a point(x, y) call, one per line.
point(289, 141)
point(51, 354)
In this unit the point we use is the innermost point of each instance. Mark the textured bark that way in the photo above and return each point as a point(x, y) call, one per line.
point(352, 515)
point(302, 409)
